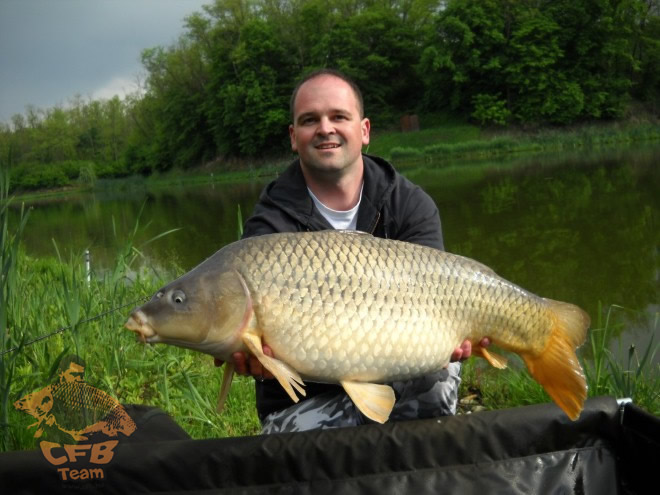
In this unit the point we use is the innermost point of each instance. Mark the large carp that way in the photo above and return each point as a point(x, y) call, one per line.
point(350, 308)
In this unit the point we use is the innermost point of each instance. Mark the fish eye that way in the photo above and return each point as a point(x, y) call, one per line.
point(178, 297)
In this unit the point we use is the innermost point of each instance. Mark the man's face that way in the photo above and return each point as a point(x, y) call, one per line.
point(327, 130)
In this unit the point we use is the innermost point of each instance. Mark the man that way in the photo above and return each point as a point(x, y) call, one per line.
point(333, 185)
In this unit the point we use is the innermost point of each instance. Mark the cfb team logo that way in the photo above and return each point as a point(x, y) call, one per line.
point(71, 411)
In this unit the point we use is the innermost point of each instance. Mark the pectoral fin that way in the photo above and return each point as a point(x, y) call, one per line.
point(373, 400)
point(285, 374)
point(494, 359)
point(226, 385)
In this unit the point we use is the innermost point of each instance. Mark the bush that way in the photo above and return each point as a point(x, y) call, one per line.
point(489, 109)
point(31, 176)
point(401, 152)
point(38, 176)
point(112, 170)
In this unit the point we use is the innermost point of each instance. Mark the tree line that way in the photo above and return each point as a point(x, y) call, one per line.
point(222, 90)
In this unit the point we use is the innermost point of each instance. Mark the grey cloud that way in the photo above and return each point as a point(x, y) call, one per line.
point(51, 50)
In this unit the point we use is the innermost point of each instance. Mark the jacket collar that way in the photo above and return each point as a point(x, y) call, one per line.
point(289, 193)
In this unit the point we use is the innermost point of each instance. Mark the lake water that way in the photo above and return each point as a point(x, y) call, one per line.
point(579, 227)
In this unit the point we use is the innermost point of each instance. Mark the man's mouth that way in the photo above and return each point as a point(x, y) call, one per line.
point(327, 146)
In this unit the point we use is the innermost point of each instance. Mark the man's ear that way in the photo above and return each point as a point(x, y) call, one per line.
point(366, 128)
point(292, 136)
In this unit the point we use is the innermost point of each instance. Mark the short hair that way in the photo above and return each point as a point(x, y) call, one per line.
point(328, 72)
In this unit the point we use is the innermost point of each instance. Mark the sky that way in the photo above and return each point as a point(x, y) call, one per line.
point(53, 50)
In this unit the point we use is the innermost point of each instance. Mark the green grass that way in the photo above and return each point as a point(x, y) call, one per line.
point(382, 143)
point(452, 140)
point(55, 295)
point(627, 372)
point(40, 296)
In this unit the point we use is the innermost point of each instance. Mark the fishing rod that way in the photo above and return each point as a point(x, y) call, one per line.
point(64, 329)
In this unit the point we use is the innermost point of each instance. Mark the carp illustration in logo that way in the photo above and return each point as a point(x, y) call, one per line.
point(75, 408)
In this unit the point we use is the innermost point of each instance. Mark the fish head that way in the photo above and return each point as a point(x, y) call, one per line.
point(200, 311)
point(37, 404)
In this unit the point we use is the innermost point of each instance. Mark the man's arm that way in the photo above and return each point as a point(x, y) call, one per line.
point(418, 220)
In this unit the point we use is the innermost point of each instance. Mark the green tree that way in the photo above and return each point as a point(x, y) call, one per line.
point(465, 53)
point(597, 52)
point(377, 49)
point(646, 53)
point(551, 62)
point(55, 138)
point(176, 83)
point(251, 75)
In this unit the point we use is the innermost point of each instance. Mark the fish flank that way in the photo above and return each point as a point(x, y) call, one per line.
point(338, 307)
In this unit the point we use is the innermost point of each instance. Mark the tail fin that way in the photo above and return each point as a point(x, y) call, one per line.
point(557, 368)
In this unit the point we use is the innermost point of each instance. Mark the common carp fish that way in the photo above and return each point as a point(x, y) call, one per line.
point(75, 408)
point(349, 308)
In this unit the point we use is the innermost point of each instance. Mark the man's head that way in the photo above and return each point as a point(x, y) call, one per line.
point(328, 72)
point(328, 129)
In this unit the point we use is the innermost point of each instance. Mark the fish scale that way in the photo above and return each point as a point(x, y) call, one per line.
point(350, 308)
point(355, 327)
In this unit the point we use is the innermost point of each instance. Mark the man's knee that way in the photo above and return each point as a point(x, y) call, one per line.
point(323, 411)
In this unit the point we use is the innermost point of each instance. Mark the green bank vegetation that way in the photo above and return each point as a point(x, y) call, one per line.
point(583, 137)
point(444, 145)
point(219, 95)
point(39, 296)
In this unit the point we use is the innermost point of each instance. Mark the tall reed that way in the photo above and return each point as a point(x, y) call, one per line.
point(627, 373)
point(10, 336)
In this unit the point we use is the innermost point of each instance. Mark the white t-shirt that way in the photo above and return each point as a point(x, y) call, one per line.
point(340, 220)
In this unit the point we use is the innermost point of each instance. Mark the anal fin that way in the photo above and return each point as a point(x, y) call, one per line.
point(493, 359)
point(373, 400)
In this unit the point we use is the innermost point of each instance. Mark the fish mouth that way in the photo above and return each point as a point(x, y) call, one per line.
point(138, 323)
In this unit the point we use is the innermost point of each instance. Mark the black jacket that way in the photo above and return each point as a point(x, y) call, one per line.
point(392, 207)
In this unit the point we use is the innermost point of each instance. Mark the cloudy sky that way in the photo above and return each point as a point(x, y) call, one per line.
point(51, 50)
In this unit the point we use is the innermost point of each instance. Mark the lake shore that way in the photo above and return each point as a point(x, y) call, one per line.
point(436, 146)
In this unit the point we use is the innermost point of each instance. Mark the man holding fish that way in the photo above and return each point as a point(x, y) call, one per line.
point(361, 324)
point(334, 186)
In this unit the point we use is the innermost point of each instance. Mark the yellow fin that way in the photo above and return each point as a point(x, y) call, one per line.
point(373, 400)
point(285, 374)
point(494, 359)
point(226, 385)
point(557, 367)
point(572, 320)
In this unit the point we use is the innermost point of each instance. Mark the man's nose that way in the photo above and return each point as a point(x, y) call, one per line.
point(326, 126)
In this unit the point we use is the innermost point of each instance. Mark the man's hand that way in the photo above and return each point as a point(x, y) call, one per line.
point(465, 350)
point(248, 365)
